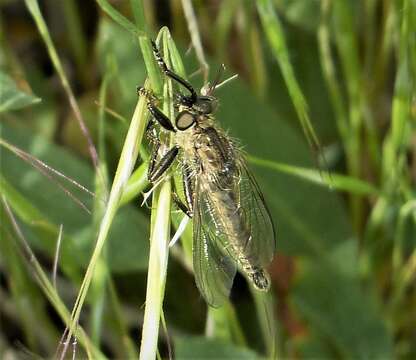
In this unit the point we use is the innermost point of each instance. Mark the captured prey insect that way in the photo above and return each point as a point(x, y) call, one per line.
point(232, 227)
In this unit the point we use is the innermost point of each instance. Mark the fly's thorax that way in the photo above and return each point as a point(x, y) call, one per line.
point(206, 146)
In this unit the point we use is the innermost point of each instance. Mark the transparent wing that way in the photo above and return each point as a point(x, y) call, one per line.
point(214, 269)
point(261, 245)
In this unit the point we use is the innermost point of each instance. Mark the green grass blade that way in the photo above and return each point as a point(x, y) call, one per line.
point(338, 181)
point(76, 37)
point(276, 38)
point(159, 239)
point(137, 183)
point(156, 277)
point(11, 97)
point(49, 290)
point(329, 72)
point(267, 319)
point(118, 18)
point(125, 166)
point(139, 15)
point(33, 7)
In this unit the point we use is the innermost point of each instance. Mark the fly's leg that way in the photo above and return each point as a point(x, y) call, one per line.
point(188, 209)
point(157, 114)
point(153, 157)
point(181, 205)
point(188, 187)
point(184, 100)
point(157, 170)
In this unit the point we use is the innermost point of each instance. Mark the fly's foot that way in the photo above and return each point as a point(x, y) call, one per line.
point(147, 93)
point(260, 279)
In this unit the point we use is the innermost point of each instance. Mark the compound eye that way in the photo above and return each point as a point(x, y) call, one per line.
point(207, 104)
point(184, 120)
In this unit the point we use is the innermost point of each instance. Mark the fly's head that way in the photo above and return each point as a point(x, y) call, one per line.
point(195, 112)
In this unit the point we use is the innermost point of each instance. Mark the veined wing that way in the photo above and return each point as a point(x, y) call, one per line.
point(261, 245)
point(214, 269)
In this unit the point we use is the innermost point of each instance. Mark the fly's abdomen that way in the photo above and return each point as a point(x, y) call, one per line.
point(231, 220)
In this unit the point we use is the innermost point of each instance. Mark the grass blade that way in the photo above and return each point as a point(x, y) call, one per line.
point(276, 38)
point(33, 7)
point(159, 240)
point(125, 166)
point(338, 181)
point(118, 18)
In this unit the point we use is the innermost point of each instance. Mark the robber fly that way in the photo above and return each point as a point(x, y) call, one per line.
point(232, 227)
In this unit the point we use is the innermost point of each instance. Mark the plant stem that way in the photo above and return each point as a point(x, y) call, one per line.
point(156, 276)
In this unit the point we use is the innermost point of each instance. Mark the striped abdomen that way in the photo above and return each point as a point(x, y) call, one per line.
point(230, 220)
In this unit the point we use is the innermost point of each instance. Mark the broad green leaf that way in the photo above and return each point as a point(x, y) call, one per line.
point(203, 348)
point(11, 97)
point(338, 310)
point(128, 243)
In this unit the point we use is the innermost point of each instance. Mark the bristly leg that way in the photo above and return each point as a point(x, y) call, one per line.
point(161, 118)
point(153, 157)
point(184, 100)
point(181, 205)
point(157, 170)
point(188, 188)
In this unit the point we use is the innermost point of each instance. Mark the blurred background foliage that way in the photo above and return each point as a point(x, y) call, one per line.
point(344, 274)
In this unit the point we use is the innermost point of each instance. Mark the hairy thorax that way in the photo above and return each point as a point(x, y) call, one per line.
point(204, 151)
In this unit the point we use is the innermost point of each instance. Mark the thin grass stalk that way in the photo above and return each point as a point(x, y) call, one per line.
point(195, 36)
point(330, 75)
point(101, 274)
point(156, 276)
point(159, 238)
point(125, 166)
point(396, 141)
point(119, 18)
point(139, 15)
point(222, 323)
point(76, 37)
point(267, 319)
point(45, 170)
point(338, 182)
point(38, 221)
point(137, 183)
point(277, 42)
point(22, 290)
point(33, 7)
point(48, 288)
point(406, 210)
point(347, 46)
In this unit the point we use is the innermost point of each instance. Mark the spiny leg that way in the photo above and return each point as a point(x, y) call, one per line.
point(161, 118)
point(157, 170)
point(181, 205)
point(188, 188)
point(188, 209)
point(185, 100)
point(153, 157)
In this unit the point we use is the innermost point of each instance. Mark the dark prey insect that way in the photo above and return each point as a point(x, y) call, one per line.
point(232, 227)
